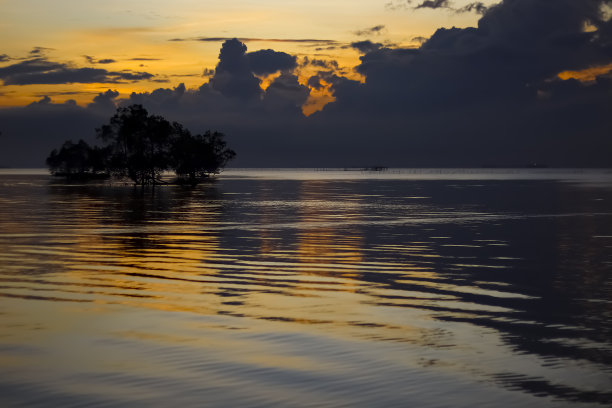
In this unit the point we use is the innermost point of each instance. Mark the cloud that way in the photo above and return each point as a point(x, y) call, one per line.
point(39, 51)
point(478, 7)
point(419, 39)
point(434, 4)
point(366, 46)
point(4, 58)
point(306, 41)
point(398, 5)
point(488, 94)
point(161, 98)
point(29, 133)
point(62, 93)
point(376, 30)
point(233, 75)
point(265, 62)
point(42, 71)
point(333, 47)
point(44, 101)
point(104, 102)
point(472, 95)
point(320, 63)
point(285, 94)
point(92, 60)
point(28, 67)
point(315, 82)
point(145, 59)
point(130, 75)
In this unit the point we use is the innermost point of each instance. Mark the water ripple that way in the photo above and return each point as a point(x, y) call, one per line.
point(306, 293)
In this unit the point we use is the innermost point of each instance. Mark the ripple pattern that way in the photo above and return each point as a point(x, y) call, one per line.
point(306, 292)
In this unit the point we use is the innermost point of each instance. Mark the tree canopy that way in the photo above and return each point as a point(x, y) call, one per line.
point(141, 147)
point(78, 161)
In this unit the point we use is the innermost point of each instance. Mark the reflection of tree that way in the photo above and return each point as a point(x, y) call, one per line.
point(153, 247)
point(534, 288)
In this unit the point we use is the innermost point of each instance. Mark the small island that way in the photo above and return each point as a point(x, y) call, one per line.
point(140, 147)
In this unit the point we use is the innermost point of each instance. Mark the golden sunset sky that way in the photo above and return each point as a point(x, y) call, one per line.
point(318, 83)
point(137, 36)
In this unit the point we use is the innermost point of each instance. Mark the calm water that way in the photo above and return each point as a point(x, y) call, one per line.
point(424, 288)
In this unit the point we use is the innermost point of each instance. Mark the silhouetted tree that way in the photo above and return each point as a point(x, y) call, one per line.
point(138, 144)
point(141, 147)
point(195, 157)
point(77, 160)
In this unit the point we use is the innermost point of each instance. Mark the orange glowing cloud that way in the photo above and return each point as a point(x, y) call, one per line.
point(586, 75)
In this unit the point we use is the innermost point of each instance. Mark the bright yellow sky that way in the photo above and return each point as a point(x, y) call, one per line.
point(125, 31)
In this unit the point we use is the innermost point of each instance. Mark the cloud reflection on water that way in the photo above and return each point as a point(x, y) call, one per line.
point(498, 287)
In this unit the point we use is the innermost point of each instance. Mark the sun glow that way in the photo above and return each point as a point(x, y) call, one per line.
point(586, 75)
point(137, 38)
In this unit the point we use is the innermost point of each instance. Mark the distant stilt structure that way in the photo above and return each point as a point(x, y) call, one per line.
point(376, 168)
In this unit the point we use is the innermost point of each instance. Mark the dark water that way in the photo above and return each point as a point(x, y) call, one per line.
point(416, 288)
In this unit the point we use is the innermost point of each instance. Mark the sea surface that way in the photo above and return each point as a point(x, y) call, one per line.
point(309, 288)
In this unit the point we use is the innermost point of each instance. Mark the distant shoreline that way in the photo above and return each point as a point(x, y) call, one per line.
point(589, 175)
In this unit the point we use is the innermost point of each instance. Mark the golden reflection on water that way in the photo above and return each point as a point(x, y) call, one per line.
point(340, 247)
point(171, 257)
point(165, 253)
point(281, 279)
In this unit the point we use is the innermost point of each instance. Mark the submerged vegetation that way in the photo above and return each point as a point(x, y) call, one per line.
point(141, 147)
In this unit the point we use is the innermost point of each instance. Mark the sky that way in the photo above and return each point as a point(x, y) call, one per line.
point(397, 83)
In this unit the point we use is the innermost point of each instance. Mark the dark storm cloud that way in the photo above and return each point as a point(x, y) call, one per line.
point(285, 95)
point(29, 133)
point(377, 29)
point(43, 71)
point(468, 96)
point(474, 94)
point(502, 53)
point(264, 62)
point(163, 99)
point(233, 75)
point(104, 102)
